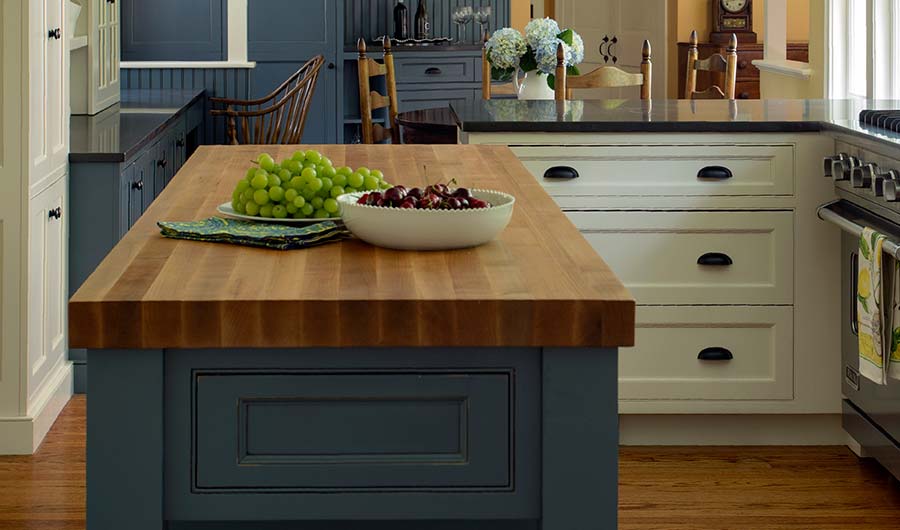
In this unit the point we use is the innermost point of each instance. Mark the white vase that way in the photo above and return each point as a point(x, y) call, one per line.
point(533, 85)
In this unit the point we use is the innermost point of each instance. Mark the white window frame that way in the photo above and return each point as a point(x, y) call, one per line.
point(882, 49)
point(236, 13)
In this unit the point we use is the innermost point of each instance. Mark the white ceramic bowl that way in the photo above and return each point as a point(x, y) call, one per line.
point(411, 229)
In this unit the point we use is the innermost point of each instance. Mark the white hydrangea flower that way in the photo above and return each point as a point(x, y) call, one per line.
point(541, 31)
point(575, 52)
point(505, 47)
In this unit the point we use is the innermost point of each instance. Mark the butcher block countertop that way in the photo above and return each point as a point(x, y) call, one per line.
point(539, 284)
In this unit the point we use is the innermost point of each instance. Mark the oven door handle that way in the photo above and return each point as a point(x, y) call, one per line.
point(851, 227)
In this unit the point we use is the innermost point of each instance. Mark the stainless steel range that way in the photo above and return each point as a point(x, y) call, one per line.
point(867, 182)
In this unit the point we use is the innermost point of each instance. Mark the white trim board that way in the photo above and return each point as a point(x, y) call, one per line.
point(22, 435)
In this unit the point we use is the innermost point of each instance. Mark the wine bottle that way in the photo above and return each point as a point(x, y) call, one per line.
point(401, 21)
point(423, 28)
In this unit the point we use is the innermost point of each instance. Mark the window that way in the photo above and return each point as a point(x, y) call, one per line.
point(864, 40)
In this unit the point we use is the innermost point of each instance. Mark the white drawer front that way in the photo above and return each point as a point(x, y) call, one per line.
point(664, 170)
point(657, 255)
point(664, 363)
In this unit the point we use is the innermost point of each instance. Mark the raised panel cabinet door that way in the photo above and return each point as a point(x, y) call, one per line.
point(48, 90)
point(174, 30)
point(284, 34)
point(47, 293)
point(107, 53)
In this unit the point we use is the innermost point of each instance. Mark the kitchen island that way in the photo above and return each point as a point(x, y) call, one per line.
point(348, 386)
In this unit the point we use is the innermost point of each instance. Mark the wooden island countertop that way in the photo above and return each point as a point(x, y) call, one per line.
point(539, 284)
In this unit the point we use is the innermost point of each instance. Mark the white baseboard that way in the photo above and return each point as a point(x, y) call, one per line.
point(735, 429)
point(22, 435)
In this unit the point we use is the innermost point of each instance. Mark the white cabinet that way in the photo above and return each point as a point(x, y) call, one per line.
point(47, 289)
point(95, 67)
point(48, 67)
point(717, 238)
point(35, 375)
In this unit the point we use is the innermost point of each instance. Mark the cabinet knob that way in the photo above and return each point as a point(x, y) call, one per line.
point(715, 173)
point(139, 185)
point(162, 163)
point(54, 34)
point(744, 95)
point(715, 353)
point(179, 142)
point(742, 64)
point(331, 66)
point(54, 213)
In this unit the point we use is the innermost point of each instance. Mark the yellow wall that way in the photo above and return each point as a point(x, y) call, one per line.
point(774, 86)
point(688, 15)
point(520, 13)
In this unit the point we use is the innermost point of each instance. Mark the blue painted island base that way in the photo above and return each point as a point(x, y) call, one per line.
point(322, 439)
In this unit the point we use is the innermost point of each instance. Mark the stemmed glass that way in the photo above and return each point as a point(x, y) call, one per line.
point(462, 16)
point(482, 16)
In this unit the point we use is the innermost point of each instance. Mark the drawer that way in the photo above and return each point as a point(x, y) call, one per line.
point(745, 68)
point(664, 170)
point(747, 89)
point(683, 257)
point(365, 431)
point(436, 69)
point(429, 99)
point(665, 362)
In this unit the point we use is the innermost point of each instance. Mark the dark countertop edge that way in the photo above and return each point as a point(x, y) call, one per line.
point(642, 127)
point(129, 153)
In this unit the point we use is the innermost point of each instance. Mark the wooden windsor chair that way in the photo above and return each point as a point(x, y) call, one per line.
point(278, 118)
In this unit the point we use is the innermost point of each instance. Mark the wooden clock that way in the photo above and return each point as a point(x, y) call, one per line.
point(732, 16)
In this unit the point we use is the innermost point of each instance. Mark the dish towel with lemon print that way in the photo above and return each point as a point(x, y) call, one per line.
point(879, 330)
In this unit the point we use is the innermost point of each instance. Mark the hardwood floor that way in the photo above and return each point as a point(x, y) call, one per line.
point(727, 488)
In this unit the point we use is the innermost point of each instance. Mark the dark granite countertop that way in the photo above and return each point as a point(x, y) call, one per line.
point(121, 131)
point(666, 116)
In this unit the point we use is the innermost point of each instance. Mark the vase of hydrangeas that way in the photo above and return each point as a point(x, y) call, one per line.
point(530, 60)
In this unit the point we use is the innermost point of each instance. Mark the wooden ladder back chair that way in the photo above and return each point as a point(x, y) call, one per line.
point(278, 118)
point(724, 66)
point(370, 100)
point(488, 87)
point(604, 76)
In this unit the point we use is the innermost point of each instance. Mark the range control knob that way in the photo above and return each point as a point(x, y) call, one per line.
point(891, 185)
point(863, 176)
point(840, 169)
point(828, 162)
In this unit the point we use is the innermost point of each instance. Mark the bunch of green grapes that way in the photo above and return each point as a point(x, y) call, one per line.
point(306, 185)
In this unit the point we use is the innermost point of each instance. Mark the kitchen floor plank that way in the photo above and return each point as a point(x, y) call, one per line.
point(660, 488)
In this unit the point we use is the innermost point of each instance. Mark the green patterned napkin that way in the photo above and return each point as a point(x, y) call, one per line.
point(276, 236)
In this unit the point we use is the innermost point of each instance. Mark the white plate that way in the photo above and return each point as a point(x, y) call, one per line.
point(226, 209)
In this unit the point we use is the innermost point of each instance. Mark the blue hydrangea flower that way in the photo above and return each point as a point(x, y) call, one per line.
point(541, 31)
point(575, 52)
point(505, 47)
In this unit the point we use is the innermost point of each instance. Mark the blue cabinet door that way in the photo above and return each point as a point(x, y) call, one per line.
point(173, 30)
point(282, 35)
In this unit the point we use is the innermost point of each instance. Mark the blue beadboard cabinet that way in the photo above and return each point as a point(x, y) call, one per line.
point(282, 34)
point(120, 161)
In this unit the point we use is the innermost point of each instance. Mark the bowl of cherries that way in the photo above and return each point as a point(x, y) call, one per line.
point(436, 217)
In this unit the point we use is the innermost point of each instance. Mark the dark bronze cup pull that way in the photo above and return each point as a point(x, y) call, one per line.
point(715, 173)
point(715, 353)
point(433, 71)
point(715, 259)
point(561, 172)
